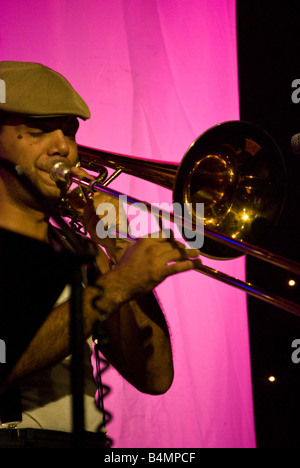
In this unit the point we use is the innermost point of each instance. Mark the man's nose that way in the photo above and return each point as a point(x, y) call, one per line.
point(59, 145)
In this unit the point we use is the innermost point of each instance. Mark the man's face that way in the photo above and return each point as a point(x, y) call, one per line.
point(36, 145)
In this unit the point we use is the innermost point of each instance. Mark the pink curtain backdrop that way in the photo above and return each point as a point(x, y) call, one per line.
point(156, 74)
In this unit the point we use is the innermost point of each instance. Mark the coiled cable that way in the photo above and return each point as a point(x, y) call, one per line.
point(100, 338)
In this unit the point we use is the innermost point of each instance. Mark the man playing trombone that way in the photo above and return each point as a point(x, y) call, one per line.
point(38, 125)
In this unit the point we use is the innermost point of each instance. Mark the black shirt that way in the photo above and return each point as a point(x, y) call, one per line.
point(32, 276)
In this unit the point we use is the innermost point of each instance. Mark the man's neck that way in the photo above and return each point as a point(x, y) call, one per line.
point(29, 222)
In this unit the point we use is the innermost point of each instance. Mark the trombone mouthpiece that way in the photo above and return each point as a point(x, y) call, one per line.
point(60, 172)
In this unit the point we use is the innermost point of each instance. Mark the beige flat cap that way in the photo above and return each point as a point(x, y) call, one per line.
point(36, 90)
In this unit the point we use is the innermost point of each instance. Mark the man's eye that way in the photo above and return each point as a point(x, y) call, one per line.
point(70, 132)
point(36, 134)
point(72, 137)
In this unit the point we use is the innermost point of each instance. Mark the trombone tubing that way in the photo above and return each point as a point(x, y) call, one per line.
point(92, 158)
point(208, 271)
point(244, 247)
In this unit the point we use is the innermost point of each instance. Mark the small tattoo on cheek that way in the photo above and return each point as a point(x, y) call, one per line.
point(20, 137)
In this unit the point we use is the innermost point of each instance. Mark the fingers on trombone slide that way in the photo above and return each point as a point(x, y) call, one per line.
point(180, 258)
point(185, 252)
point(173, 251)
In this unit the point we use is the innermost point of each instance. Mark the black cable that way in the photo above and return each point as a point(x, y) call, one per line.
point(100, 338)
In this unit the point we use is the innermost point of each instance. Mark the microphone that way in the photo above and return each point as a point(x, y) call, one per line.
point(295, 143)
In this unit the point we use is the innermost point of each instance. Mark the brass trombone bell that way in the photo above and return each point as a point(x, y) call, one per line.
point(237, 171)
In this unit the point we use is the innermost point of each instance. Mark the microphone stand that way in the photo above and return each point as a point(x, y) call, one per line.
point(81, 252)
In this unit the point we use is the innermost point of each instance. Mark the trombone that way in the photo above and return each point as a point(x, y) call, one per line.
point(236, 170)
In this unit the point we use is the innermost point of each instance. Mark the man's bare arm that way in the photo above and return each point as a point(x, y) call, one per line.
point(139, 345)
